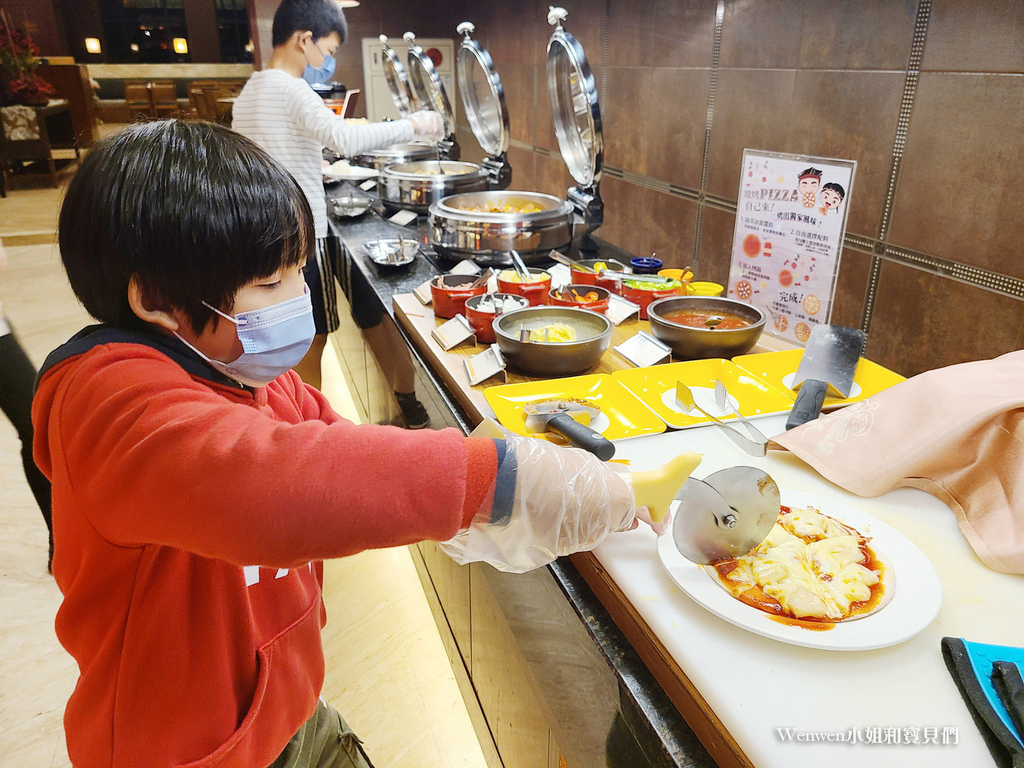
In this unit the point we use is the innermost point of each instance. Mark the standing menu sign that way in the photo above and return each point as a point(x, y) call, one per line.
point(790, 222)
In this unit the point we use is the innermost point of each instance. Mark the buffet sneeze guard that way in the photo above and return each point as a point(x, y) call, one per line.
point(398, 80)
point(428, 90)
point(484, 100)
point(577, 118)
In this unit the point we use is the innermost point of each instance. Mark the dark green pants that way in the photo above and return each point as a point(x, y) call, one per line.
point(325, 741)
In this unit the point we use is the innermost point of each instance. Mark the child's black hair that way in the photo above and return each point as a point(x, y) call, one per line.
point(835, 188)
point(192, 210)
point(321, 17)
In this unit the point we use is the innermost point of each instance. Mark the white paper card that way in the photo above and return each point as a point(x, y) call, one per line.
point(643, 350)
point(452, 333)
point(368, 185)
point(484, 365)
point(403, 217)
point(465, 267)
point(560, 275)
point(619, 309)
point(422, 292)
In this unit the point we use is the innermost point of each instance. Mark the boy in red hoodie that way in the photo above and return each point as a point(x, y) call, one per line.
point(188, 526)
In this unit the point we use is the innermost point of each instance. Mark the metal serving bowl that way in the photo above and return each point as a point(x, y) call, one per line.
point(458, 232)
point(349, 206)
point(415, 186)
point(396, 153)
point(567, 358)
point(690, 343)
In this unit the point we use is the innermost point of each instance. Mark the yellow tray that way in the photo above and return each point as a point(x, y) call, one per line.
point(622, 415)
point(779, 368)
point(656, 387)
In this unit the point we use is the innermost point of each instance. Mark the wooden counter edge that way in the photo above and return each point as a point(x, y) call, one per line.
point(677, 686)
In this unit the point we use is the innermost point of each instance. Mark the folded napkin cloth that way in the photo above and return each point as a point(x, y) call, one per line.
point(989, 680)
point(956, 432)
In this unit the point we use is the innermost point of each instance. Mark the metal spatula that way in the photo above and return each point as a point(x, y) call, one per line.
point(726, 514)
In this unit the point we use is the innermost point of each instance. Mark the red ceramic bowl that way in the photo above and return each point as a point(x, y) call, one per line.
point(644, 297)
point(449, 294)
point(537, 293)
point(482, 320)
point(589, 278)
point(557, 297)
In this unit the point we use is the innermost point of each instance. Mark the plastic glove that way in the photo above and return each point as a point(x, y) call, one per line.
point(565, 500)
point(427, 125)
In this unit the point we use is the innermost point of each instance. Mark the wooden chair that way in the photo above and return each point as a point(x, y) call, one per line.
point(139, 100)
point(23, 138)
point(222, 110)
point(164, 96)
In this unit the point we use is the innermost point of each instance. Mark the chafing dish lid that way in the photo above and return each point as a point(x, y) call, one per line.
point(398, 80)
point(574, 103)
point(482, 93)
point(426, 84)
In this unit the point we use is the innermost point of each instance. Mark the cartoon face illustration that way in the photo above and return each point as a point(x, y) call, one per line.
point(831, 196)
point(809, 181)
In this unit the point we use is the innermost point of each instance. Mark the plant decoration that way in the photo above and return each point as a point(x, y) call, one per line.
point(19, 84)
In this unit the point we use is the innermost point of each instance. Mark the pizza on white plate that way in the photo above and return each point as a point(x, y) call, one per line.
point(811, 569)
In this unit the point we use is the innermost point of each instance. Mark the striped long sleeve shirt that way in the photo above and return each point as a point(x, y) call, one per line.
point(290, 121)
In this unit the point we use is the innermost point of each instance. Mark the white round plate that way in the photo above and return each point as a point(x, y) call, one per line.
point(914, 604)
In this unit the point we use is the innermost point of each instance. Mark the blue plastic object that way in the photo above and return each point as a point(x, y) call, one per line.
point(645, 265)
point(982, 656)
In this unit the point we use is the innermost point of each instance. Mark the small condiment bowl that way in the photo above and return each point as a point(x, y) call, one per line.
point(536, 292)
point(579, 277)
point(563, 297)
point(643, 296)
point(691, 343)
point(449, 294)
point(482, 320)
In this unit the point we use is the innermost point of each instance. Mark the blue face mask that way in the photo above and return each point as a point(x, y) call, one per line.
point(319, 74)
point(274, 339)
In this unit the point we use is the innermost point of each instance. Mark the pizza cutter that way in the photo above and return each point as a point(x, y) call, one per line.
point(727, 514)
point(572, 421)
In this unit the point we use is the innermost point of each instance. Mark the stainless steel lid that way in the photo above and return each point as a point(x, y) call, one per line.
point(482, 93)
point(398, 80)
point(574, 103)
point(426, 84)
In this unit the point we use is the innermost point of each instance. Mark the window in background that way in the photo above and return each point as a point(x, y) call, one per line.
point(233, 29)
point(143, 31)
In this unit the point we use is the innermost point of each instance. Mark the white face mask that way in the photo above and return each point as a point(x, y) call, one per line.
point(274, 339)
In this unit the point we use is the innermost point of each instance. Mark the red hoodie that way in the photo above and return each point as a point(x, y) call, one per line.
point(190, 517)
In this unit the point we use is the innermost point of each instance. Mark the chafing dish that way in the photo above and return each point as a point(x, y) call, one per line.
point(566, 358)
point(396, 153)
point(414, 186)
point(462, 227)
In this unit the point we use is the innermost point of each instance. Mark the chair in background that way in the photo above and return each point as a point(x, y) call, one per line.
point(164, 98)
point(139, 100)
point(197, 102)
point(23, 138)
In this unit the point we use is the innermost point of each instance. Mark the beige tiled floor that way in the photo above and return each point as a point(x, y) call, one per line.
point(387, 670)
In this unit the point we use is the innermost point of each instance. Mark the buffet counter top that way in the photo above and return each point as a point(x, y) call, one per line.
point(752, 700)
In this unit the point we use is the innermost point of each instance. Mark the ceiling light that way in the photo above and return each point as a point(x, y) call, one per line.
point(180, 45)
point(92, 45)
point(348, 3)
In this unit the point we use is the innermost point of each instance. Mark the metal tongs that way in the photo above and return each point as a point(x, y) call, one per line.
point(519, 266)
point(563, 259)
point(754, 443)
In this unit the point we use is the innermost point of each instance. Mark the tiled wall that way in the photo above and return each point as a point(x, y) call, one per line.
point(927, 97)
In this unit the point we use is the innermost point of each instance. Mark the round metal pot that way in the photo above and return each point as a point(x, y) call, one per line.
point(567, 358)
point(690, 343)
point(415, 186)
point(396, 153)
point(459, 232)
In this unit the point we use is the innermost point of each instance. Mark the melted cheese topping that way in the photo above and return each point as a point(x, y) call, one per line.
point(810, 567)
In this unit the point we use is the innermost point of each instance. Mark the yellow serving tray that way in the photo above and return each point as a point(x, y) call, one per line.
point(626, 416)
point(779, 368)
point(656, 387)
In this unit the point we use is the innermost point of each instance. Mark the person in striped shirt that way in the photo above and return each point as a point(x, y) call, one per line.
point(279, 111)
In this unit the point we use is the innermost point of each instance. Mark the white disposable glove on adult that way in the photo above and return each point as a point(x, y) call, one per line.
point(427, 125)
point(565, 500)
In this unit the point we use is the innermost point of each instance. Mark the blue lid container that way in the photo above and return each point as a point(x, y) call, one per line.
point(645, 265)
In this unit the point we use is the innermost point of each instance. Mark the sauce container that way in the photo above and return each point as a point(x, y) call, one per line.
point(589, 278)
point(449, 294)
point(536, 292)
point(494, 304)
point(564, 297)
point(702, 288)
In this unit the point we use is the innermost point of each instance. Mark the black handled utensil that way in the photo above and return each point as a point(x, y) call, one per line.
point(570, 420)
point(827, 366)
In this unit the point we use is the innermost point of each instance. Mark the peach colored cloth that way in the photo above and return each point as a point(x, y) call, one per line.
point(956, 432)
